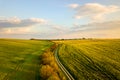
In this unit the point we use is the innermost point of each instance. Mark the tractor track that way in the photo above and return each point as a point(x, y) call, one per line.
point(65, 71)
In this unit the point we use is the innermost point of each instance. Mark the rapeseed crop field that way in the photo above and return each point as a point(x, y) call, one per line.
point(97, 59)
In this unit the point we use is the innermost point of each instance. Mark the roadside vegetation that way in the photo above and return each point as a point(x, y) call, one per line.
point(20, 59)
point(91, 59)
point(49, 69)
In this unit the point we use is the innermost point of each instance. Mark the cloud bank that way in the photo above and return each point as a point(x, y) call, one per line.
point(110, 25)
point(93, 11)
point(21, 28)
point(17, 22)
point(15, 25)
point(31, 27)
point(109, 29)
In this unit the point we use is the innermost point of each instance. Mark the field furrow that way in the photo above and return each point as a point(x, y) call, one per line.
point(91, 59)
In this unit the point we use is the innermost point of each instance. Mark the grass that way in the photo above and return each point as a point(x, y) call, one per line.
point(20, 59)
point(91, 59)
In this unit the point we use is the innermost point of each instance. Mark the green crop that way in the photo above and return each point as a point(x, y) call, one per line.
point(91, 59)
point(20, 59)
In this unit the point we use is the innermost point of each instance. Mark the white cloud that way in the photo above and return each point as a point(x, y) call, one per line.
point(110, 29)
point(16, 30)
point(15, 25)
point(13, 20)
point(73, 5)
point(93, 11)
point(110, 25)
point(17, 22)
point(38, 20)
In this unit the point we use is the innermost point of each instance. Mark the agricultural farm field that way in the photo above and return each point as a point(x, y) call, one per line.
point(91, 59)
point(20, 59)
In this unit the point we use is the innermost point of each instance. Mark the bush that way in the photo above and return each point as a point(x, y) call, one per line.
point(46, 71)
point(54, 77)
point(54, 65)
point(49, 69)
point(47, 58)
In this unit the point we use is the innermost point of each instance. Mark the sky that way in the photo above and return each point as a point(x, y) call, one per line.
point(57, 19)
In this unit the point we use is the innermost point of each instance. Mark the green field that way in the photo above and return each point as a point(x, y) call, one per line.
point(84, 59)
point(91, 59)
point(20, 59)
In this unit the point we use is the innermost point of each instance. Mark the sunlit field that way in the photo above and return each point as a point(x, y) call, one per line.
point(91, 59)
point(95, 59)
point(20, 59)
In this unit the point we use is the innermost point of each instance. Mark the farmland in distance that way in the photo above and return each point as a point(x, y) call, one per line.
point(20, 59)
point(91, 59)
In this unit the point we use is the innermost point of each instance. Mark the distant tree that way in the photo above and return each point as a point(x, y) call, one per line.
point(32, 39)
point(83, 38)
point(62, 39)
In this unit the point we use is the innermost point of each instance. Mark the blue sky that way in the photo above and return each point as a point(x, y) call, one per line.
point(59, 18)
